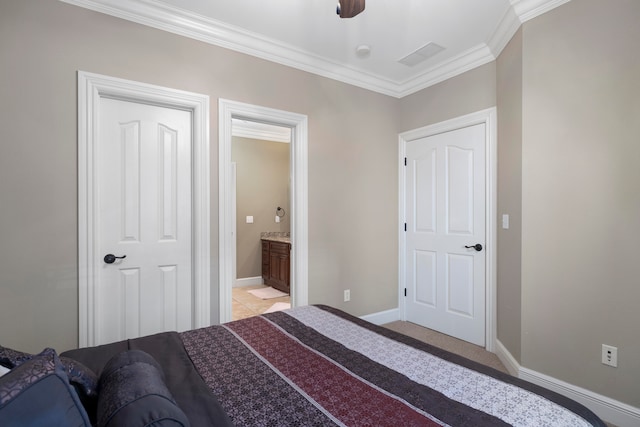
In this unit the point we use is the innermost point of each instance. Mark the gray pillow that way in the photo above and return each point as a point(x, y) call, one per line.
point(132, 393)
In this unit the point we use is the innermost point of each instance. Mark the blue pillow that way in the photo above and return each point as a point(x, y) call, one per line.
point(37, 393)
point(132, 393)
point(82, 378)
point(10, 358)
point(85, 382)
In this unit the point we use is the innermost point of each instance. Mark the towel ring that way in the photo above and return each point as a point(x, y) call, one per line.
point(280, 212)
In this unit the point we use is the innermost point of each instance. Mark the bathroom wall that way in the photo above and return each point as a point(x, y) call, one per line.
point(262, 184)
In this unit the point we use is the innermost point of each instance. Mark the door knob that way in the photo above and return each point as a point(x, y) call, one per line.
point(477, 247)
point(111, 258)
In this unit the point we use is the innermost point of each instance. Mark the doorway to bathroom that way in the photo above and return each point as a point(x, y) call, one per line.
point(260, 156)
point(298, 203)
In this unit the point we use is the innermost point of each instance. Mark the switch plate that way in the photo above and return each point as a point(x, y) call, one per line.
point(505, 221)
point(347, 295)
point(610, 355)
point(250, 219)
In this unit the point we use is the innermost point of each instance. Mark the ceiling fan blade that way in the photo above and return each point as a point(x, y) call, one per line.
point(350, 8)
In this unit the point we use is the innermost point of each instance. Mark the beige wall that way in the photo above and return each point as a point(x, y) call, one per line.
point(352, 160)
point(353, 200)
point(467, 93)
point(580, 195)
point(262, 184)
point(509, 295)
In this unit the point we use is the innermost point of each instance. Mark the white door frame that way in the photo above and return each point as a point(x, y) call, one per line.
point(227, 111)
point(487, 117)
point(92, 87)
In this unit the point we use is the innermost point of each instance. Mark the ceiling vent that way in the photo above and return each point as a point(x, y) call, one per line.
point(422, 54)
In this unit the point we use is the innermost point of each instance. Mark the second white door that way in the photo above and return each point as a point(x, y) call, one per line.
point(445, 215)
point(145, 199)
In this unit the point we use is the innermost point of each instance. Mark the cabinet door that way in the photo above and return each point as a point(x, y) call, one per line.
point(265, 261)
point(279, 265)
point(283, 273)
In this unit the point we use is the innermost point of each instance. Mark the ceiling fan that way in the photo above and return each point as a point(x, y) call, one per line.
point(349, 8)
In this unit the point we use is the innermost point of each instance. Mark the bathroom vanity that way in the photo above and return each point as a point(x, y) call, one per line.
point(276, 261)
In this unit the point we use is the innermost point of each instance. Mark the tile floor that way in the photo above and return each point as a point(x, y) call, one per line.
point(245, 304)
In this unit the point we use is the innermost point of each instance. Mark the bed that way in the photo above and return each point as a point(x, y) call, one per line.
point(307, 366)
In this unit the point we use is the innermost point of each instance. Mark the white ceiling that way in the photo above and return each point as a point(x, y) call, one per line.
point(308, 35)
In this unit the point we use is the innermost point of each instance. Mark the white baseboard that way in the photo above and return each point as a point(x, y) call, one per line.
point(610, 410)
point(248, 281)
point(382, 317)
point(507, 359)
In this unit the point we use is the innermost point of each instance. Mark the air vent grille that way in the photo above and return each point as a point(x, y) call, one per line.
point(422, 54)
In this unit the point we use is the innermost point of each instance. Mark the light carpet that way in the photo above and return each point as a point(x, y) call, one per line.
point(267, 293)
point(454, 345)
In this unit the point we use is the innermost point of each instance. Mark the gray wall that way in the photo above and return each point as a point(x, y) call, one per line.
point(509, 272)
point(580, 194)
point(262, 184)
point(352, 160)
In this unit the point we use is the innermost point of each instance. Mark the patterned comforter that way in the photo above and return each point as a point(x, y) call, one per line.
point(318, 366)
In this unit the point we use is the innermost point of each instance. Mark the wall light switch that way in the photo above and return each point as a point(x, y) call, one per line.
point(250, 219)
point(505, 221)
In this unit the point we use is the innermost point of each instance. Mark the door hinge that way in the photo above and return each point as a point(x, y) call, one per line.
point(405, 161)
point(405, 226)
point(405, 292)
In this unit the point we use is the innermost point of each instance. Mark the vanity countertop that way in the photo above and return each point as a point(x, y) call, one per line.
point(276, 236)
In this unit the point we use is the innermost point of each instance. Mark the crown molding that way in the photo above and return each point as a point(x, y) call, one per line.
point(506, 28)
point(457, 65)
point(178, 21)
point(164, 17)
point(529, 9)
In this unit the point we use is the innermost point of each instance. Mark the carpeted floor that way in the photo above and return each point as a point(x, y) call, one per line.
point(454, 345)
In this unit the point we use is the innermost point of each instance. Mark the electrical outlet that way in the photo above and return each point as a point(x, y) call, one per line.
point(610, 355)
point(347, 295)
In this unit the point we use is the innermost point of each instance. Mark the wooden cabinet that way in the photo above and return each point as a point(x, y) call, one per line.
point(276, 264)
point(265, 260)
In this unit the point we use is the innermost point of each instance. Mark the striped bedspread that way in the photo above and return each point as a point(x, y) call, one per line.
point(318, 366)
